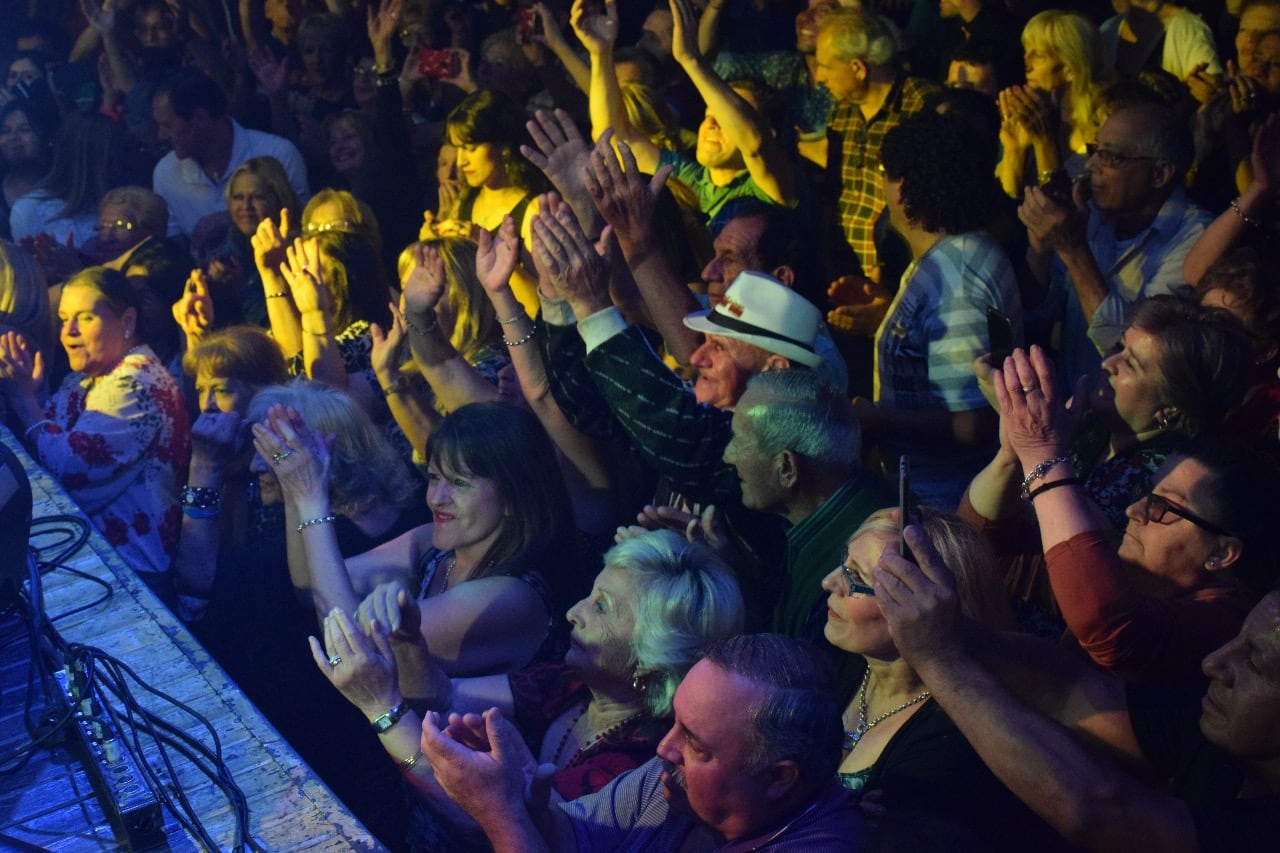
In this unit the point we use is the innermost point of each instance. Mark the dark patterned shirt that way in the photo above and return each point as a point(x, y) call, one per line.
point(861, 184)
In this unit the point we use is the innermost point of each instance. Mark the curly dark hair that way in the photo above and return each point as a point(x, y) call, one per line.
point(947, 185)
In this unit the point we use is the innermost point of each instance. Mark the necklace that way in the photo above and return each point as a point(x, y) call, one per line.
point(448, 572)
point(564, 739)
point(864, 725)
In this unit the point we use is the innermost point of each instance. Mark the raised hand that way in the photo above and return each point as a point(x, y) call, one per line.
point(1032, 417)
point(425, 284)
point(362, 666)
point(387, 353)
point(269, 243)
point(304, 273)
point(215, 441)
point(576, 268)
point(684, 35)
point(299, 458)
point(101, 16)
point(561, 152)
point(272, 74)
point(496, 257)
point(21, 365)
point(919, 600)
point(193, 312)
point(596, 29)
point(624, 196)
point(381, 24)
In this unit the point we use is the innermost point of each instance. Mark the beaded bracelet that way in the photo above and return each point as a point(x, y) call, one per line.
point(1065, 481)
point(1252, 223)
point(425, 331)
point(324, 519)
point(533, 333)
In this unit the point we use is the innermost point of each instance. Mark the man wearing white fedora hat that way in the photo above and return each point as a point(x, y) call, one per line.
point(761, 326)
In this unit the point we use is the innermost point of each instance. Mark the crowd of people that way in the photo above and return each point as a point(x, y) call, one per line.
point(390, 329)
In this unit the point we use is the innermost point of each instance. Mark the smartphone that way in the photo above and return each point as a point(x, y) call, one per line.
point(907, 511)
point(528, 24)
point(999, 336)
point(437, 64)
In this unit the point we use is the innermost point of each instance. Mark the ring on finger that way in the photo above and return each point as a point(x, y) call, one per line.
point(1027, 389)
point(282, 455)
point(335, 660)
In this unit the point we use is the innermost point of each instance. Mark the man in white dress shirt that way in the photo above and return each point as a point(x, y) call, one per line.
point(191, 115)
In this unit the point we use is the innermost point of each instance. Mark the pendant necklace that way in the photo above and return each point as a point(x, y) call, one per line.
point(864, 725)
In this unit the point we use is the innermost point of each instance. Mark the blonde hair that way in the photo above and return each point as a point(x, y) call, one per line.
point(474, 324)
point(273, 177)
point(1076, 43)
point(979, 584)
point(365, 472)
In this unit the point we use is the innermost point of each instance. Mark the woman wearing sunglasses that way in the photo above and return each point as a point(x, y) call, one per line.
point(1198, 551)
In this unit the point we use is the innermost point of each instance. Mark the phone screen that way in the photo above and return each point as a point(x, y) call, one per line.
point(999, 336)
point(906, 506)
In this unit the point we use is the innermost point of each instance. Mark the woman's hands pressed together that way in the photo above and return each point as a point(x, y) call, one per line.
point(361, 665)
point(1033, 418)
point(299, 458)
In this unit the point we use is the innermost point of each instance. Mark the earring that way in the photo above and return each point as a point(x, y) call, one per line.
point(1213, 562)
point(1162, 419)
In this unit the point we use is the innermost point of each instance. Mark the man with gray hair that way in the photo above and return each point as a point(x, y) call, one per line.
point(855, 59)
point(749, 764)
point(1127, 243)
point(796, 448)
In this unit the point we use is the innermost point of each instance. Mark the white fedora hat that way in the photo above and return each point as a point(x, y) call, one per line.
point(761, 310)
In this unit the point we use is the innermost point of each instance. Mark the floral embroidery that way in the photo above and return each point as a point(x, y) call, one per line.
point(120, 447)
point(92, 449)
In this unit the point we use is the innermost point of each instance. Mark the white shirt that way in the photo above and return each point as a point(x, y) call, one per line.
point(191, 194)
point(34, 214)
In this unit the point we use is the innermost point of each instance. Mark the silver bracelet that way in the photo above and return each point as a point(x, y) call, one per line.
point(324, 519)
point(1038, 472)
point(533, 333)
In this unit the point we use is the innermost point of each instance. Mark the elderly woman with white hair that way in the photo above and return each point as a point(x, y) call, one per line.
point(658, 601)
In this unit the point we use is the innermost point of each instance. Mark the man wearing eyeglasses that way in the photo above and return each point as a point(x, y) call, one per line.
point(1128, 242)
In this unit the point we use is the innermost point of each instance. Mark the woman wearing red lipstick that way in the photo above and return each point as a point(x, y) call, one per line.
point(482, 582)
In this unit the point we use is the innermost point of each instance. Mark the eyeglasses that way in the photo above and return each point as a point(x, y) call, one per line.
point(854, 586)
point(1156, 507)
point(118, 225)
point(1113, 159)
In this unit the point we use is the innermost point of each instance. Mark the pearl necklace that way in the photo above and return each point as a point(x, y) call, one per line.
point(851, 738)
point(564, 739)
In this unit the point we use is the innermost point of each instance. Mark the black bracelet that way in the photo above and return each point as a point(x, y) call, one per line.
point(1065, 481)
